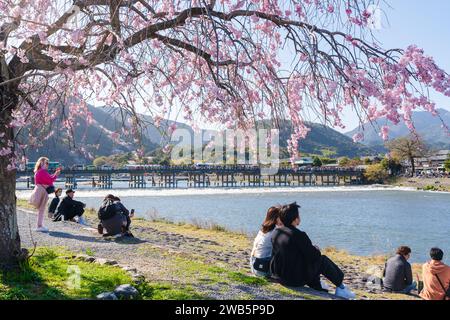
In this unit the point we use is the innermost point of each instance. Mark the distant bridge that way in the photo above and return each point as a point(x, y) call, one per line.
point(213, 176)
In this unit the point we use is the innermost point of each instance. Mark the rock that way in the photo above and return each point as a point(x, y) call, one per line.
point(85, 258)
point(126, 292)
point(129, 269)
point(107, 296)
point(111, 262)
point(137, 278)
point(107, 262)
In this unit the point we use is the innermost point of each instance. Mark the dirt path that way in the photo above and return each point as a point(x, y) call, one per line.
point(211, 264)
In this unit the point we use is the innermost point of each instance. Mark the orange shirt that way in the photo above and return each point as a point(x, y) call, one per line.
point(432, 290)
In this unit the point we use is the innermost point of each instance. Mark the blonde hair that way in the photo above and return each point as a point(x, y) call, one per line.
point(39, 163)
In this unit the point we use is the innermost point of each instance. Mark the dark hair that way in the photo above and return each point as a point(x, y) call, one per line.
point(58, 190)
point(436, 254)
point(271, 219)
point(288, 213)
point(404, 250)
point(116, 198)
point(109, 196)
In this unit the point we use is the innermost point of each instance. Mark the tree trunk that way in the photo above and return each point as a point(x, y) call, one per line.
point(413, 166)
point(10, 251)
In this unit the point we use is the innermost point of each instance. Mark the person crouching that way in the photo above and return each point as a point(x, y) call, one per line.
point(114, 217)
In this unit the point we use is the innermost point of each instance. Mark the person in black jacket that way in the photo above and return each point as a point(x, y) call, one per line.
point(114, 217)
point(70, 209)
point(54, 204)
point(123, 210)
point(297, 262)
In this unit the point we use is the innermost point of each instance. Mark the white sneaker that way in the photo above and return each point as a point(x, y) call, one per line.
point(324, 285)
point(345, 293)
point(42, 229)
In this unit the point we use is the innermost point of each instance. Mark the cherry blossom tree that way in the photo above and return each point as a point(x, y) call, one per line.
point(220, 60)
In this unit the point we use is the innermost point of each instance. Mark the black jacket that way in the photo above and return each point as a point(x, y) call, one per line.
point(53, 205)
point(295, 260)
point(121, 208)
point(70, 208)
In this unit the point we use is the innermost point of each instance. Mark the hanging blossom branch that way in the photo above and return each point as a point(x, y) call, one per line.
point(220, 60)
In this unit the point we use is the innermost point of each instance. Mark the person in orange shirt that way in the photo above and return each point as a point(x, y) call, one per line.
point(436, 277)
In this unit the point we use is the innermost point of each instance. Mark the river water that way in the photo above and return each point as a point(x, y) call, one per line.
point(361, 220)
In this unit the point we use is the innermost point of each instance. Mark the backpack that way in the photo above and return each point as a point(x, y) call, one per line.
point(107, 210)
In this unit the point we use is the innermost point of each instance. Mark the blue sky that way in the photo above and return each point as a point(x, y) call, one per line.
point(424, 23)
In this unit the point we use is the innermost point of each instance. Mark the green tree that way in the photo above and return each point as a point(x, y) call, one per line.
point(447, 165)
point(344, 162)
point(376, 173)
point(326, 160)
point(317, 162)
point(100, 161)
point(391, 165)
point(407, 148)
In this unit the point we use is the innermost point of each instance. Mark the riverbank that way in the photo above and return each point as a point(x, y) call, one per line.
point(200, 261)
point(425, 184)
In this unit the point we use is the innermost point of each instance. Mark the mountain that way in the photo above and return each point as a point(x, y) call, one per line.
point(324, 140)
point(427, 126)
point(97, 139)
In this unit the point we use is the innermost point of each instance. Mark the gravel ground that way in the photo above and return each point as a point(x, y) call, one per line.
point(126, 251)
point(148, 252)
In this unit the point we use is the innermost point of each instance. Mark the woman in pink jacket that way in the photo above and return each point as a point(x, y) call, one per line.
point(39, 197)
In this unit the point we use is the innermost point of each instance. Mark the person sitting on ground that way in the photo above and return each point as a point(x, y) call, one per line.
point(436, 277)
point(262, 246)
point(398, 273)
point(297, 262)
point(114, 217)
point(54, 203)
point(70, 209)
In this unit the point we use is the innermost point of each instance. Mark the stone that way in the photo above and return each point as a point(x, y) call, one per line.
point(86, 258)
point(107, 296)
point(137, 278)
point(126, 292)
point(129, 269)
point(107, 262)
point(111, 262)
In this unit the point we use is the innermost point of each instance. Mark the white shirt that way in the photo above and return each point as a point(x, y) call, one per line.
point(262, 246)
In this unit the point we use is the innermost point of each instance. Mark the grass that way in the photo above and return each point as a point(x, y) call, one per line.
point(189, 274)
point(52, 273)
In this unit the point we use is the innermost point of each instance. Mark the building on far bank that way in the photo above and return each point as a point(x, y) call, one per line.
point(433, 163)
point(304, 161)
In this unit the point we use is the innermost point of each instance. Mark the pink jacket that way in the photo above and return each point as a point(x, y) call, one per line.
point(43, 177)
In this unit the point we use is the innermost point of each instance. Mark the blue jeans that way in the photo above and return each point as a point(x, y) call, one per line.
point(411, 287)
point(256, 272)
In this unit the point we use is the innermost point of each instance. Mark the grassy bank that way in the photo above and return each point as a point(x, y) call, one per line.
point(206, 261)
point(47, 276)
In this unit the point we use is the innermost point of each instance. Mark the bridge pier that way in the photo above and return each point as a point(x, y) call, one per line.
point(137, 181)
point(71, 182)
point(105, 181)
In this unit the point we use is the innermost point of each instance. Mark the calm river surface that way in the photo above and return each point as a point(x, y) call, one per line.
point(363, 221)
